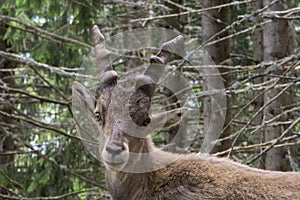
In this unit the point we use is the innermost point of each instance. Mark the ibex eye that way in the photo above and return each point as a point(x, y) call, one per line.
point(97, 116)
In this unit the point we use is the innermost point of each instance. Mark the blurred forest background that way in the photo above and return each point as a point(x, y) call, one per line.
point(255, 44)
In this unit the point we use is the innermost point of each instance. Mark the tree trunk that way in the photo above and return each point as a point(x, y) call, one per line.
point(277, 44)
point(214, 21)
point(175, 139)
point(258, 55)
point(136, 55)
point(6, 136)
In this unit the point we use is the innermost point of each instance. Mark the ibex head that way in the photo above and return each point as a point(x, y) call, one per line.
point(124, 116)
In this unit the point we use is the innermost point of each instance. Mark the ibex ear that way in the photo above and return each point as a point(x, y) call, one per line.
point(168, 119)
point(83, 100)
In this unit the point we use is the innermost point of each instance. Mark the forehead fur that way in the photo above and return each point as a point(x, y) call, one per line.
point(126, 105)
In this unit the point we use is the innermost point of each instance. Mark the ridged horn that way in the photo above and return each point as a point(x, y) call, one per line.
point(108, 76)
point(148, 80)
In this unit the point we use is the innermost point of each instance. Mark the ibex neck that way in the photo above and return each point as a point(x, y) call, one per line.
point(145, 157)
point(144, 162)
point(141, 145)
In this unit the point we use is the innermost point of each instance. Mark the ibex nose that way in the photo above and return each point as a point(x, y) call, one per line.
point(114, 149)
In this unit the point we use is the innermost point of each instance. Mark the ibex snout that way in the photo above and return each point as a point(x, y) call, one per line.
point(116, 152)
point(114, 149)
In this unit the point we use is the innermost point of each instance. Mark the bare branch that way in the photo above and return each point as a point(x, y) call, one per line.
point(41, 98)
point(275, 141)
point(38, 124)
point(194, 11)
point(37, 30)
point(29, 61)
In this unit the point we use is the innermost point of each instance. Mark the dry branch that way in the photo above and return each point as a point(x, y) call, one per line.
point(30, 62)
point(190, 12)
point(38, 123)
point(37, 30)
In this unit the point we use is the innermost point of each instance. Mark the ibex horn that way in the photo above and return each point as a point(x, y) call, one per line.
point(155, 69)
point(107, 74)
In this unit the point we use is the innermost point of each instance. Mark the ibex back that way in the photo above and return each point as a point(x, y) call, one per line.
point(173, 176)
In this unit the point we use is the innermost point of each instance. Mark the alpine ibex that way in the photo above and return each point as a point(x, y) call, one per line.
point(136, 169)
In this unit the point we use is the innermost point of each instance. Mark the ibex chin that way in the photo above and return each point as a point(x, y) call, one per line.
point(129, 149)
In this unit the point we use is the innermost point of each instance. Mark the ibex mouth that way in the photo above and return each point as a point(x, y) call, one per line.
point(114, 156)
point(113, 165)
point(115, 160)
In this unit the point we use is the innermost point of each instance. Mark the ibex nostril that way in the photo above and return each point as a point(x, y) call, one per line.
point(114, 150)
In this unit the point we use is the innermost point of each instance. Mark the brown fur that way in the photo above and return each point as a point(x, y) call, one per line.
point(198, 176)
point(193, 176)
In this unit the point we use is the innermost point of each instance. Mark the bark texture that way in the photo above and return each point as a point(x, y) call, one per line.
point(214, 21)
point(6, 127)
point(277, 39)
point(258, 55)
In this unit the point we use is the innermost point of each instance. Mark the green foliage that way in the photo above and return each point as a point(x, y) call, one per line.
point(54, 163)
